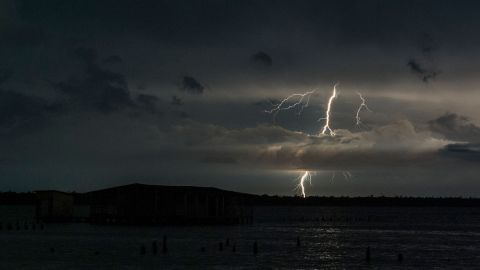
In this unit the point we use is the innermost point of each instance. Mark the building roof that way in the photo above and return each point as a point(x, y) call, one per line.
point(53, 191)
point(168, 188)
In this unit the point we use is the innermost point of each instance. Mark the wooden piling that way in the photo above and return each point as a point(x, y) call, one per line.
point(367, 255)
point(164, 245)
point(154, 247)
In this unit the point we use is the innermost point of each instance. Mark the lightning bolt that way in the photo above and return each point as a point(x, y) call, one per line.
point(326, 127)
point(347, 175)
point(362, 105)
point(333, 177)
point(326, 130)
point(306, 176)
point(302, 101)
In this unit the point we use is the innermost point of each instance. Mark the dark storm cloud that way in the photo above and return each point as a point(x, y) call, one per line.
point(176, 101)
point(112, 59)
point(21, 113)
point(191, 85)
point(424, 73)
point(5, 74)
point(455, 127)
point(148, 102)
point(427, 46)
point(21, 36)
point(219, 160)
point(97, 89)
point(262, 58)
point(424, 67)
point(155, 42)
point(465, 151)
point(100, 89)
point(296, 33)
point(373, 19)
point(87, 55)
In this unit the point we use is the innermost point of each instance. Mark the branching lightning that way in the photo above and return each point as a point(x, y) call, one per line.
point(347, 175)
point(362, 105)
point(302, 102)
point(326, 127)
point(306, 176)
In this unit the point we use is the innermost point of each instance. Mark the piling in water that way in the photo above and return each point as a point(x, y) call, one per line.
point(255, 248)
point(52, 250)
point(202, 249)
point(154, 247)
point(227, 242)
point(234, 248)
point(143, 250)
point(298, 241)
point(367, 255)
point(400, 257)
point(164, 245)
point(220, 246)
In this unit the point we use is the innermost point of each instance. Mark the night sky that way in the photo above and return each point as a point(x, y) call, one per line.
point(95, 94)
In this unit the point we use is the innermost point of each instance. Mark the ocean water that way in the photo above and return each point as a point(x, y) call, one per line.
point(330, 238)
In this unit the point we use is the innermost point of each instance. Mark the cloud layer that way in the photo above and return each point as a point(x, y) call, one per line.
point(394, 145)
point(203, 73)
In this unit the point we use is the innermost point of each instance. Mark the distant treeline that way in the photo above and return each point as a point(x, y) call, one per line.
point(17, 198)
point(266, 200)
point(29, 198)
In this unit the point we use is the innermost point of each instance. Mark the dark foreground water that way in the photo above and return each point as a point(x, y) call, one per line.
point(331, 238)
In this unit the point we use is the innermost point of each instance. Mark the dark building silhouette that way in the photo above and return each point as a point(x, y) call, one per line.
point(53, 205)
point(147, 204)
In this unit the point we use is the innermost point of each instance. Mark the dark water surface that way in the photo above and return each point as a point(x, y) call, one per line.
point(331, 238)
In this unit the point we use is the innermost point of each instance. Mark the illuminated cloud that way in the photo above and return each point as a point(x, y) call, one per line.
point(393, 145)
